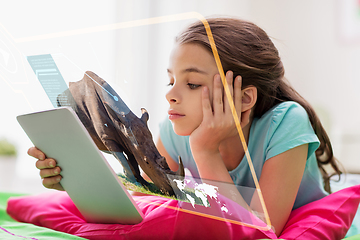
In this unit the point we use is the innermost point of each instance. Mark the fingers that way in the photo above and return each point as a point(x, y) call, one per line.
point(218, 105)
point(46, 163)
point(229, 88)
point(49, 172)
point(36, 153)
point(53, 183)
point(51, 178)
point(237, 95)
point(48, 169)
point(234, 89)
point(43, 162)
point(207, 109)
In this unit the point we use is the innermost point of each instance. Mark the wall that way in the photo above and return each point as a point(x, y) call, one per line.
point(321, 57)
point(322, 62)
point(319, 42)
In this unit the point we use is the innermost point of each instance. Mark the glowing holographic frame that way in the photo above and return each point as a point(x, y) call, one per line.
point(164, 19)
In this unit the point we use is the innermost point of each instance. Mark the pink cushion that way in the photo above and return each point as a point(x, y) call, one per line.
point(327, 218)
point(162, 220)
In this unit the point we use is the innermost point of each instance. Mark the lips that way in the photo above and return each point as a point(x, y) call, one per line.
point(173, 115)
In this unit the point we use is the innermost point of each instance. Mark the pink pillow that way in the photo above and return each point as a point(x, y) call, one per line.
point(162, 220)
point(327, 218)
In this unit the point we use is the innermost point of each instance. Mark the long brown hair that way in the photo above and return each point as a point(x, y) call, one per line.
point(247, 50)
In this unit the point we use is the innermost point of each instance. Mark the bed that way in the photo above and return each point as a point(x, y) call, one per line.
point(53, 216)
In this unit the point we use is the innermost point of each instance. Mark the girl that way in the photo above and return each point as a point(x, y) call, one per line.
point(285, 138)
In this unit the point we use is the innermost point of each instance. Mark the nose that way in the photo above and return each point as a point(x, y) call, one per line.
point(172, 95)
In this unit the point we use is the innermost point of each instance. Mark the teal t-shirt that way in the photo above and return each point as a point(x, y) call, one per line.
point(282, 128)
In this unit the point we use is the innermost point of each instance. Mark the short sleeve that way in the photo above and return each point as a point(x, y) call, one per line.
point(290, 127)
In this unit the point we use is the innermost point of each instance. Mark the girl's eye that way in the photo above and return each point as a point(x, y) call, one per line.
point(170, 84)
point(193, 86)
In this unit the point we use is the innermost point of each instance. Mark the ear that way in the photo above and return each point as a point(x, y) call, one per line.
point(249, 97)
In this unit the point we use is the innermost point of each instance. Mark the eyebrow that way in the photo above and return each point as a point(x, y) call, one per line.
point(191, 70)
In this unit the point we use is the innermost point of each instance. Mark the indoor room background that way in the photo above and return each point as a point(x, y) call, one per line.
point(128, 43)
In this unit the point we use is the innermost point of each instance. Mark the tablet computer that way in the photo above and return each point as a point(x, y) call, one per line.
point(86, 175)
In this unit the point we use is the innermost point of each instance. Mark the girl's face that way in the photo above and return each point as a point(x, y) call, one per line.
point(191, 68)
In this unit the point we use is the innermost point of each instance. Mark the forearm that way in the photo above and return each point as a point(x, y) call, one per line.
point(212, 170)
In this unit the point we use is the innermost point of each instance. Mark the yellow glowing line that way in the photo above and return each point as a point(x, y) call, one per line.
point(163, 19)
point(206, 215)
point(121, 25)
point(235, 116)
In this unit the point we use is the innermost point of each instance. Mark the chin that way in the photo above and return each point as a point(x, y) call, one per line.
point(181, 131)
